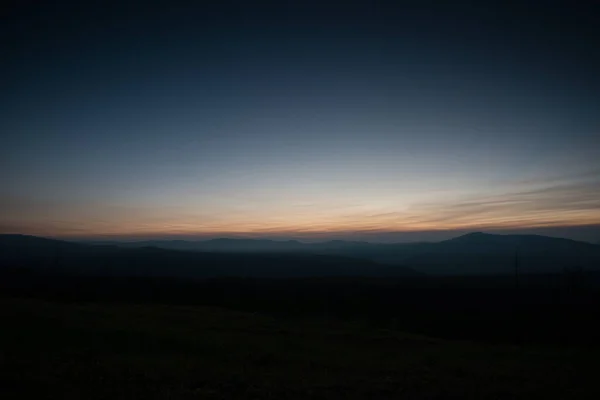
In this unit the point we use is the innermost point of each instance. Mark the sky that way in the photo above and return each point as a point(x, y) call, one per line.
point(372, 120)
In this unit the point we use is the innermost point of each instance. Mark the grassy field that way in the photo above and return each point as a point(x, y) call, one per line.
point(99, 351)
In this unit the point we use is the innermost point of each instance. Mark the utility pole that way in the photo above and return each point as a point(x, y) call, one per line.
point(517, 304)
point(517, 270)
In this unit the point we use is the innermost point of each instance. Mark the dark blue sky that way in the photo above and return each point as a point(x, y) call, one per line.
point(298, 119)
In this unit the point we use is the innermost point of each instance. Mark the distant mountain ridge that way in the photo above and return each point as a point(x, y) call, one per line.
point(536, 254)
point(224, 241)
point(146, 259)
point(481, 237)
point(472, 253)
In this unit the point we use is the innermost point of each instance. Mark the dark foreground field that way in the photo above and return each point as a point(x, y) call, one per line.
point(53, 350)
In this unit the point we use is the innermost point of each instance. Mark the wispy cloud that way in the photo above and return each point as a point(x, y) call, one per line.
point(572, 203)
point(587, 175)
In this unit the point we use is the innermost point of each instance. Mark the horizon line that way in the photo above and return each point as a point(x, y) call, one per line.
point(237, 236)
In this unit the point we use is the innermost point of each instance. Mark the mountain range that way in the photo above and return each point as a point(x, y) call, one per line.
point(55, 256)
point(471, 254)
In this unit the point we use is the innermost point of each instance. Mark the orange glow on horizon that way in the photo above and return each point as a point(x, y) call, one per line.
point(555, 206)
point(307, 228)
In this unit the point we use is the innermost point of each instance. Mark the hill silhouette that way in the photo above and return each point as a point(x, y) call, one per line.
point(472, 253)
point(19, 251)
point(482, 253)
point(553, 308)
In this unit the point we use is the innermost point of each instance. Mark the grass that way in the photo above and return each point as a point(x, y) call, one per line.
point(99, 351)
